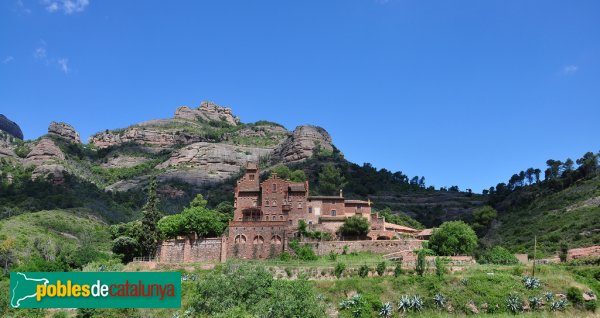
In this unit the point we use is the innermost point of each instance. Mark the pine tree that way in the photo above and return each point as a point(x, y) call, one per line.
point(151, 216)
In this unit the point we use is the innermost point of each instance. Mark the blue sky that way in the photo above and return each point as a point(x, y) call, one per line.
point(462, 92)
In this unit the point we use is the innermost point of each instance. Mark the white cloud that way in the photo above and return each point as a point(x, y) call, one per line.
point(22, 8)
point(40, 52)
point(66, 6)
point(64, 65)
point(570, 69)
point(8, 59)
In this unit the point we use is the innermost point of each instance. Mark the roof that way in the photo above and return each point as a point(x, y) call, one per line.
point(425, 232)
point(297, 187)
point(326, 197)
point(251, 166)
point(356, 202)
point(399, 227)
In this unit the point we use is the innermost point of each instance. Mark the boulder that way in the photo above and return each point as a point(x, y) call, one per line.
point(10, 127)
point(53, 173)
point(64, 130)
point(207, 111)
point(302, 144)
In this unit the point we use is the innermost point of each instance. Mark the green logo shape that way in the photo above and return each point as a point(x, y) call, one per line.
point(95, 290)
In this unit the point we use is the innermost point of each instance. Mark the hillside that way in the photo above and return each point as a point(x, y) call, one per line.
point(71, 236)
point(199, 150)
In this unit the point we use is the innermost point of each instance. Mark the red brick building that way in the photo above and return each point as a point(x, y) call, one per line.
point(267, 214)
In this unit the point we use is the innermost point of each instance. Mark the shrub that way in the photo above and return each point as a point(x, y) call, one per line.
point(386, 311)
point(440, 267)
point(514, 303)
point(575, 295)
point(421, 266)
point(498, 255)
point(285, 256)
point(440, 300)
point(531, 282)
point(591, 305)
point(339, 269)
point(535, 302)
point(381, 268)
point(453, 238)
point(357, 305)
point(333, 256)
point(303, 252)
point(398, 269)
point(355, 226)
point(559, 305)
point(363, 271)
point(564, 250)
point(408, 303)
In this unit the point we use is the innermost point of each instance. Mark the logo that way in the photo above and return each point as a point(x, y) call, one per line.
point(95, 290)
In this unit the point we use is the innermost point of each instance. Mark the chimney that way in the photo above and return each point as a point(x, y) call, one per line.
point(341, 193)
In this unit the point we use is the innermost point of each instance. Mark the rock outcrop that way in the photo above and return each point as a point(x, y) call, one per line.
point(10, 127)
point(64, 130)
point(216, 160)
point(207, 111)
point(47, 159)
point(44, 151)
point(302, 144)
point(144, 136)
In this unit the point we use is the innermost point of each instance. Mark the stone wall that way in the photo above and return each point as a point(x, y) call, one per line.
point(190, 249)
point(381, 247)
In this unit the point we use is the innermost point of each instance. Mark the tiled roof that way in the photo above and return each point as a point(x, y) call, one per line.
point(356, 201)
point(325, 197)
point(399, 227)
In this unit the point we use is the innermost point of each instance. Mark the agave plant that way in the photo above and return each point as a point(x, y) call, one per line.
point(531, 282)
point(514, 303)
point(351, 302)
point(386, 310)
point(440, 300)
point(549, 296)
point(559, 305)
point(404, 304)
point(535, 302)
point(417, 303)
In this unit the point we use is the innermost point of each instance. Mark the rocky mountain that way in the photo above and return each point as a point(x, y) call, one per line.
point(201, 150)
point(10, 127)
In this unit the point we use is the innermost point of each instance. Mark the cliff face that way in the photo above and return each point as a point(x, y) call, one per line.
point(10, 127)
point(199, 147)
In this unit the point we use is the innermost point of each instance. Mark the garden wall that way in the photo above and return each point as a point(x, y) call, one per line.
point(380, 247)
point(191, 249)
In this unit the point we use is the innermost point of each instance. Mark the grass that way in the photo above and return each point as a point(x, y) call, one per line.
point(552, 218)
point(53, 230)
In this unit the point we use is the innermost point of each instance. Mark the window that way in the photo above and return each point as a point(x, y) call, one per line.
point(267, 203)
point(333, 212)
point(310, 209)
point(299, 205)
point(274, 203)
point(274, 187)
point(273, 218)
point(281, 217)
point(290, 222)
point(251, 177)
point(309, 222)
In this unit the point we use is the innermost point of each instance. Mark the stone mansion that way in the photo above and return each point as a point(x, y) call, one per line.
point(267, 215)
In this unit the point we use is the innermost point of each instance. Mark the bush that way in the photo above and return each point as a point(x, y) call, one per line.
point(498, 255)
point(381, 268)
point(333, 256)
point(575, 295)
point(421, 266)
point(303, 252)
point(453, 238)
point(440, 266)
point(339, 269)
point(591, 305)
point(398, 269)
point(363, 271)
point(355, 226)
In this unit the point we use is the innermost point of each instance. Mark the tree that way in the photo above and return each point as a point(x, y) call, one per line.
point(127, 247)
point(453, 238)
point(355, 226)
point(482, 217)
point(331, 180)
point(588, 164)
point(421, 265)
point(195, 219)
point(282, 171)
point(151, 216)
point(298, 176)
point(564, 251)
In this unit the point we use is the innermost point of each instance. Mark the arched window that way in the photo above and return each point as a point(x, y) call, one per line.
point(240, 239)
point(258, 240)
point(267, 203)
point(276, 239)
